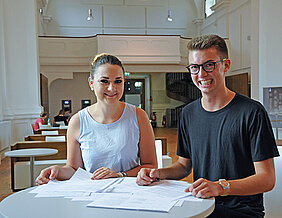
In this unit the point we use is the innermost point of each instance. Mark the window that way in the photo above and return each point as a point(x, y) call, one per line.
point(208, 5)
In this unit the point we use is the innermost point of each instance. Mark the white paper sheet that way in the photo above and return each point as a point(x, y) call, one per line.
point(170, 188)
point(179, 203)
point(133, 202)
point(51, 186)
point(122, 193)
point(80, 184)
point(80, 174)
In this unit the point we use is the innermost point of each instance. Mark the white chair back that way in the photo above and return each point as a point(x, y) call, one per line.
point(63, 127)
point(272, 199)
point(44, 126)
point(60, 138)
point(61, 123)
point(55, 132)
point(159, 152)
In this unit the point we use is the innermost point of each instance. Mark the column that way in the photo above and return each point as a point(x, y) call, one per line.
point(20, 98)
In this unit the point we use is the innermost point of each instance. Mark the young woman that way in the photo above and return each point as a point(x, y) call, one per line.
point(39, 120)
point(109, 138)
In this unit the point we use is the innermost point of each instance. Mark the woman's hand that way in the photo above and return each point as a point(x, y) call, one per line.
point(104, 173)
point(50, 173)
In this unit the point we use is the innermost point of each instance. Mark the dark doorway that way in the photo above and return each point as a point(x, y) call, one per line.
point(44, 92)
point(134, 92)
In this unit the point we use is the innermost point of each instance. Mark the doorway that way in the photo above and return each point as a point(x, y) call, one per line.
point(44, 93)
point(134, 92)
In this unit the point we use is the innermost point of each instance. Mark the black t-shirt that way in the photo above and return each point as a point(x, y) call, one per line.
point(225, 143)
point(61, 118)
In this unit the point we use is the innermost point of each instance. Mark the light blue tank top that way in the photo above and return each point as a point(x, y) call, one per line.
point(113, 145)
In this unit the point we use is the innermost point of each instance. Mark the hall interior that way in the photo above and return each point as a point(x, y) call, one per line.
point(61, 53)
point(57, 44)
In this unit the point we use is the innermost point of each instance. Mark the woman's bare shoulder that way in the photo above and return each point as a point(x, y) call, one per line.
point(74, 126)
point(141, 113)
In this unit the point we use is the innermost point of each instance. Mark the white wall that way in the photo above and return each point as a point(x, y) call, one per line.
point(270, 46)
point(232, 20)
point(120, 17)
point(19, 98)
point(75, 89)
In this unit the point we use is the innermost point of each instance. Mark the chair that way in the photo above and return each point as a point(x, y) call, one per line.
point(55, 132)
point(163, 160)
point(272, 199)
point(63, 127)
point(158, 145)
point(61, 123)
point(41, 126)
point(22, 174)
point(55, 138)
point(32, 126)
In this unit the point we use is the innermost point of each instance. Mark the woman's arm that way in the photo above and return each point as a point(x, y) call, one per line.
point(74, 159)
point(36, 124)
point(147, 150)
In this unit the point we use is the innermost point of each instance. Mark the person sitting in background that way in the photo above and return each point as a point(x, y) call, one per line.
point(67, 114)
point(61, 117)
point(109, 138)
point(39, 120)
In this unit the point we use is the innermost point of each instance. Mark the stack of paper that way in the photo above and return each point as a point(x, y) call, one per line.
point(121, 193)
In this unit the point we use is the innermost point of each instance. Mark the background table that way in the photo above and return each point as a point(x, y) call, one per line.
point(31, 153)
point(24, 204)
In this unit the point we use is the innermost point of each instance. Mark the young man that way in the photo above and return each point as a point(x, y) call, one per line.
point(226, 137)
point(61, 117)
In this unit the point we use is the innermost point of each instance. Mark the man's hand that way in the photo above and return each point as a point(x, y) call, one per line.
point(203, 188)
point(146, 176)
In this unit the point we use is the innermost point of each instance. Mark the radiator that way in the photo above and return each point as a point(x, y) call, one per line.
point(22, 175)
point(5, 135)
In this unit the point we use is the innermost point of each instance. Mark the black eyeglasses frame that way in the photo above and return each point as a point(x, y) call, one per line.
point(202, 65)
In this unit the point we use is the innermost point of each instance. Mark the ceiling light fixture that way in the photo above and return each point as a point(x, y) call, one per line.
point(169, 17)
point(90, 15)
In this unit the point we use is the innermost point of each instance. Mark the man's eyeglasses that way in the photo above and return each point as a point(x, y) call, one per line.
point(208, 66)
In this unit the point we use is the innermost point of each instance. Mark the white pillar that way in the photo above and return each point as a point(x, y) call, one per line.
point(198, 23)
point(255, 49)
point(19, 66)
point(200, 5)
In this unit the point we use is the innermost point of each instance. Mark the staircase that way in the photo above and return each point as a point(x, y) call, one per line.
point(179, 86)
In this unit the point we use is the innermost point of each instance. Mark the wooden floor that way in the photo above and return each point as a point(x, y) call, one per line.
point(171, 135)
point(5, 180)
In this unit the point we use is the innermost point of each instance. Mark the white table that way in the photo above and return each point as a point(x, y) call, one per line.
point(31, 153)
point(24, 204)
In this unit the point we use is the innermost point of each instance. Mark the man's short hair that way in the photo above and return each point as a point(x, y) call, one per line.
point(62, 111)
point(209, 41)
